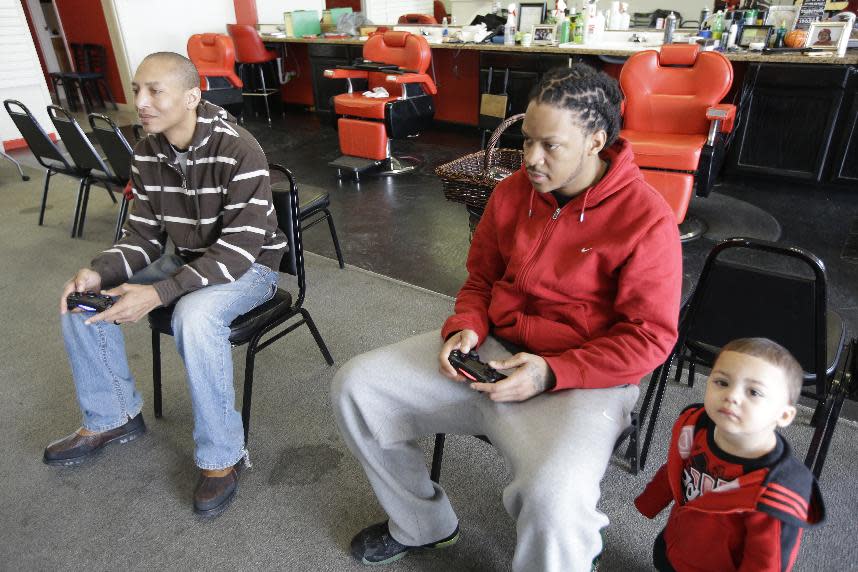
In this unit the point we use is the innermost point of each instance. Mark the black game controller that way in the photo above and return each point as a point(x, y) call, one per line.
point(470, 366)
point(89, 301)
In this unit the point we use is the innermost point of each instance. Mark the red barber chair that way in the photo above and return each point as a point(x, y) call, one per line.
point(417, 19)
point(397, 62)
point(250, 51)
point(676, 123)
point(214, 57)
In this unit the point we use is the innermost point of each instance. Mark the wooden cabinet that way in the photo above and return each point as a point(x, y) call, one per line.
point(794, 122)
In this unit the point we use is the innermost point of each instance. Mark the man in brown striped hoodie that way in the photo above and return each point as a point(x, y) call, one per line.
point(202, 182)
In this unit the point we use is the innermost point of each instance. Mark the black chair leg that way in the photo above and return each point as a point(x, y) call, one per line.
point(120, 220)
point(82, 216)
point(691, 374)
point(48, 174)
point(250, 359)
point(334, 237)
point(110, 192)
point(317, 336)
point(653, 419)
point(84, 184)
point(156, 372)
point(107, 92)
point(633, 451)
point(437, 457)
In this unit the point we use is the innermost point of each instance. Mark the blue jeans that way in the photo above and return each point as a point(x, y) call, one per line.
point(105, 386)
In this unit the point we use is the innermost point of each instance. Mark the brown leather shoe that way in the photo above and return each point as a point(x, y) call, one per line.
point(213, 494)
point(76, 448)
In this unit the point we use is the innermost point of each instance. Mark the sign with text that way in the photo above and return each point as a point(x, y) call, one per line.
point(810, 11)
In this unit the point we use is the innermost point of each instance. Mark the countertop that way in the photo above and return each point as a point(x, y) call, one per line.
point(851, 57)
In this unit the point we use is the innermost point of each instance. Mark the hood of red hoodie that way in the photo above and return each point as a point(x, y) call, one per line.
point(622, 170)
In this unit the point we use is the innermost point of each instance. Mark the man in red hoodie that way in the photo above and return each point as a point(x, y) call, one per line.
point(574, 276)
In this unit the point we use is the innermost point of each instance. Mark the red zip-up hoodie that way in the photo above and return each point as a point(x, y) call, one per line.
point(592, 287)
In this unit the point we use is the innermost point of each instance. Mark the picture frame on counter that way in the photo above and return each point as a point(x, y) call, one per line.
point(543, 34)
point(751, 34)
point(778, 14)
point(530, 14)
point(829, 35)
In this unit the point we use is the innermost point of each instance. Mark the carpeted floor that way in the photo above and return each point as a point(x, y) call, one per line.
point(305, 496)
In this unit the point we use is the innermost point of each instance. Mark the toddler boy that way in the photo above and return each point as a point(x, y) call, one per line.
point(740, 498)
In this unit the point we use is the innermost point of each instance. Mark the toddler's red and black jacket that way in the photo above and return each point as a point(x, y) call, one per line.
point(730, 513)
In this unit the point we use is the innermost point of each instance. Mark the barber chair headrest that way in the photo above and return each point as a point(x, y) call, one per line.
point(208, 39)
point(678, 55)
point(396, 39)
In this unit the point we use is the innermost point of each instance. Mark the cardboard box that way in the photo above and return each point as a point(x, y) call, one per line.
point(300, 23)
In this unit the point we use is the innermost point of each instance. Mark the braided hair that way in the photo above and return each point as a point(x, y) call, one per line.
point(592, 95)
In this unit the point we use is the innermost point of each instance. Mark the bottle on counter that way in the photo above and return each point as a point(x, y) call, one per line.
point(731, 36)
point(445, 31)
point(509, 28)
point(780, 35)
point(563, 31)
point(669, 28)
point(704, 15)
point(718, 26)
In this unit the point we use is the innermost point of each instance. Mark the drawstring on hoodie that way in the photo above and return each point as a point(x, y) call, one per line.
point(583, 204)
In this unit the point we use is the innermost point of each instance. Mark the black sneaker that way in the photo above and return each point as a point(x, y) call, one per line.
point(374, 545)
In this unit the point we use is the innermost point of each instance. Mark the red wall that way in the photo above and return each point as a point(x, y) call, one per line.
point(83, 23)
point(353, 4)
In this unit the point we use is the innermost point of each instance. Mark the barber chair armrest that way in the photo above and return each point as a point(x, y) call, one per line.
point(420, 78)
point(724, 113)
point(346, 73)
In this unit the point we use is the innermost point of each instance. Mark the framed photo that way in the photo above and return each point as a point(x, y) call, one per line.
point(530, 14)
point(829, 36)
point(778, 14)
point(543, 34)
point(751, 34)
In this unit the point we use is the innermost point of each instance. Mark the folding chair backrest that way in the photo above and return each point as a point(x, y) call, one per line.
point(37, 140)
point(114, 145)
point(77, 143)
point(735, 300)
point(286, 206)
point(95, 56)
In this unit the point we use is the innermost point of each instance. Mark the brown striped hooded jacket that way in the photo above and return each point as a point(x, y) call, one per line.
point(219, 217)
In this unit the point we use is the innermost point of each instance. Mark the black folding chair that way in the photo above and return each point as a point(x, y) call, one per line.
point(85, 156)
point(314, 206)
point(740, 300)
point(119, 155)
point(249, 328)
point(90, 62)
point(45, 151)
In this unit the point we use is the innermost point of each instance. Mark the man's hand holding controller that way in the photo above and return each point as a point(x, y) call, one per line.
point(531, 377)
point(133, 300)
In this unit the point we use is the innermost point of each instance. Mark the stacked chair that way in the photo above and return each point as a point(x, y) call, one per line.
point(739, 295)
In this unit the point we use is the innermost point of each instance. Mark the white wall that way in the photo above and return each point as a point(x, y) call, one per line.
point(389, 11)
point(21, 75)
point(165, 25)
point(271, 11)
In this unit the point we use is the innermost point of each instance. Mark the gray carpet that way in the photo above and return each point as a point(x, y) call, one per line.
point(727, 217)
point(305, 496)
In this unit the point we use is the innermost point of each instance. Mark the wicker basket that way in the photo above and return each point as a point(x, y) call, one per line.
point(471, 179)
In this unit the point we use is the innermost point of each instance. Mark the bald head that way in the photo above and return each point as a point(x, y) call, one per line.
point(180, 68)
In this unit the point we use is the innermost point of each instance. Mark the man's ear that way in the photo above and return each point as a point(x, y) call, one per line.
point(597, 142)
point(786, 416)
point(193, 97)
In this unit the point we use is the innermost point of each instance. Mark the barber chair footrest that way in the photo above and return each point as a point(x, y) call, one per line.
point(692, 228)
point(354, 165)
point(399, 165)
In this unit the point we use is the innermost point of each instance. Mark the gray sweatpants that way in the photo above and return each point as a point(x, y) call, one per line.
point(557, 447)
